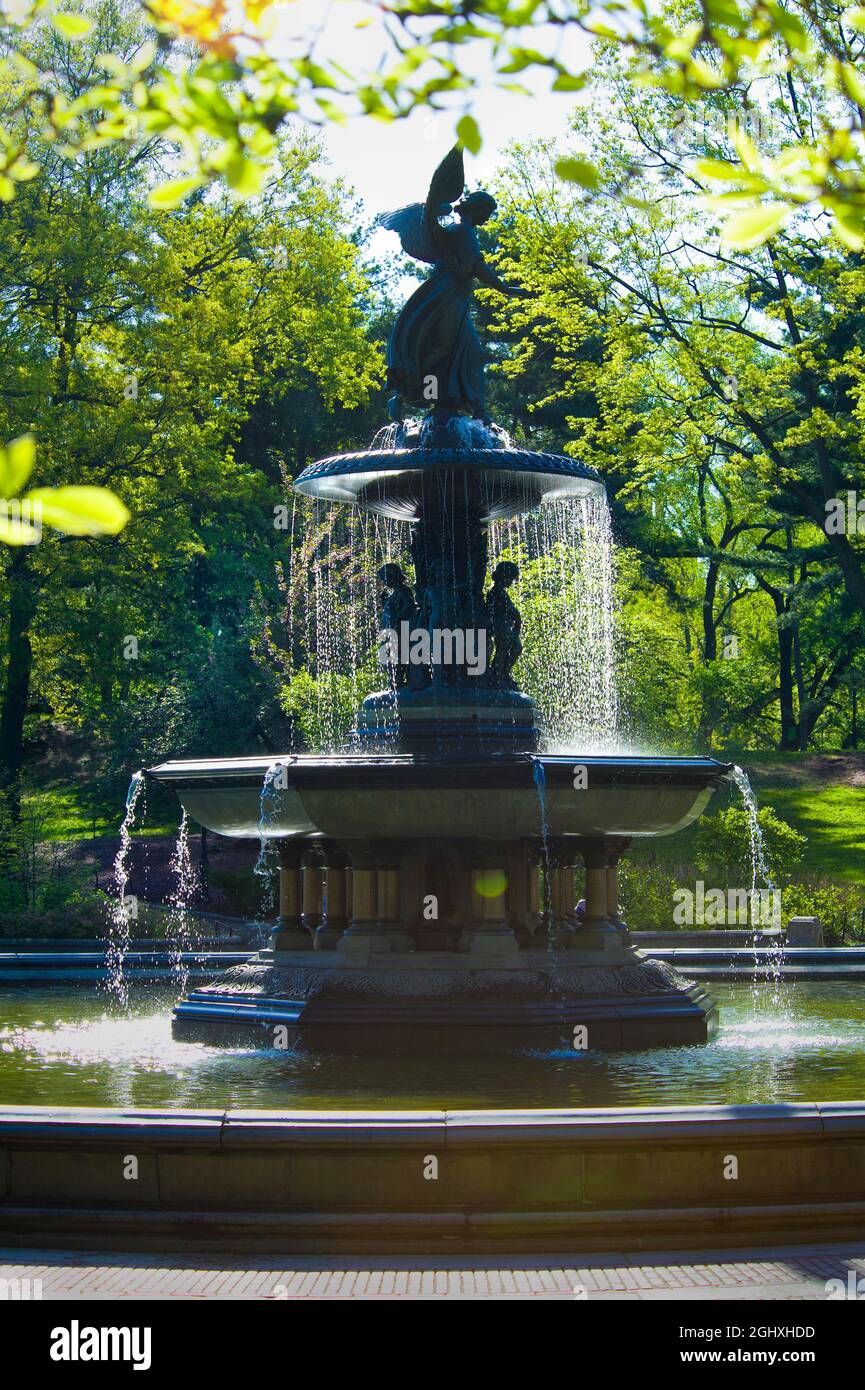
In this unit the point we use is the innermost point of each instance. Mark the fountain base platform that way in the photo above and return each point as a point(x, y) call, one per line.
point(448, 1003)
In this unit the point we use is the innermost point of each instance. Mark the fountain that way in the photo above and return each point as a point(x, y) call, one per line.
point(426, 873)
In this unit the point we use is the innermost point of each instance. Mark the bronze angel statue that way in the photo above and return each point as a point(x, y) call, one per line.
point(434, 355)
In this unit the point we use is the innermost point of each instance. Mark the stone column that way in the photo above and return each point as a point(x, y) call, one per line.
point(335, 919)
point(488, 932)
point(535, 916)
point(312, 885)
point(519, 909)
point(561, 913)
point(364, 935)
point(289, 934)
point(390, 918)
point(596, 932)
point(617, 849)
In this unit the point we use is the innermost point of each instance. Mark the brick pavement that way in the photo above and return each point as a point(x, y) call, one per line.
point(796, 1272)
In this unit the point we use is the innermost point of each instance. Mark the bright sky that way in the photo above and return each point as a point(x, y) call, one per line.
point(390, 164)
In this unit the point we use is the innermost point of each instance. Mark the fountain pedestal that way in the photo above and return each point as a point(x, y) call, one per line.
point(500, 960)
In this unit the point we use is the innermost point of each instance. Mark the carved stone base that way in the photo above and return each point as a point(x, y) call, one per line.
point(444, 1002)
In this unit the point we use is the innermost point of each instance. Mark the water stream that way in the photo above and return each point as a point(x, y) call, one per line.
point(265, 865)
point(122, 908)
point(769, 947)
point(182, 933)
point(565, 592)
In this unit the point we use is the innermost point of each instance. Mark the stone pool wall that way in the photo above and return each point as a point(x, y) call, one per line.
point(637, 1179)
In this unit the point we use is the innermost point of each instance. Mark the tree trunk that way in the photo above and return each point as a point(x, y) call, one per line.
point(16, 693)
point(789, 728)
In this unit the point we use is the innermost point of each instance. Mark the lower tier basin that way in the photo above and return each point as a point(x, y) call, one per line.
point(775, 1045)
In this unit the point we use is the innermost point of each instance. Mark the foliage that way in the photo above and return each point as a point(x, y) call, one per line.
point(213, 81)
point(151, 349)
point(36, 873)
point(719, 392)
point(840, 908)
point(646, 889)
point(723, 849)
point(79, 511)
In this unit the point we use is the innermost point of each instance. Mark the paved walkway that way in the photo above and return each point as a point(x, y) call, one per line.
point(793, 1272)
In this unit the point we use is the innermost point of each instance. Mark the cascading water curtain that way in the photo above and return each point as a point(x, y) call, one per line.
point(334, 600)
point(565, 592)
point(567, 597)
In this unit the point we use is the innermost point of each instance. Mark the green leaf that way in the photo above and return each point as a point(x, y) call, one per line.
point(853, 82)
point(849, 224)
point(72, 26)
point(569, 82)
point(847, 234)
point(245, 176)
point(755, 225)
point(718, 169)
point(577, 171)
point(169, 195)
point(468, 132)
point(81, 511)
point(16, 464)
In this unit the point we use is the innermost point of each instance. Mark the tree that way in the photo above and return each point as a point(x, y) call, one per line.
point(214, 84)
point(143, 343)
point(720, 393)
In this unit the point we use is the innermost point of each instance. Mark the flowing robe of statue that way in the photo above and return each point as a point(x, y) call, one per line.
point(434, 356)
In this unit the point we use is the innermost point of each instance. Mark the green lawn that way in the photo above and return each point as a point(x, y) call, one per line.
point(62, 812)
point(817, 793)
point(833, 819)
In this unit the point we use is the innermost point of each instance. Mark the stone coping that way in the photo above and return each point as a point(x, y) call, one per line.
point(674, 1124)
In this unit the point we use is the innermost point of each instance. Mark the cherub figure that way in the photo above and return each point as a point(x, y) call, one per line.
point(397, 607)
point(434, 356)
point(505, 624)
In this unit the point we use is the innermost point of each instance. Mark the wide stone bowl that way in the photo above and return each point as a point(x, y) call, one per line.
point(403, 483)
point(399, 796)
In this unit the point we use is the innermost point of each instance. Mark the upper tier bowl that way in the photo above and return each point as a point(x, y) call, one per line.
point(399, 483)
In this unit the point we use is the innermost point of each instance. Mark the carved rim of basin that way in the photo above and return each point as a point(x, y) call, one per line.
point(392, 481)
point(352, 796)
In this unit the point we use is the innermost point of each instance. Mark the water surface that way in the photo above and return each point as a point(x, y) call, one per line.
point(72, 1046)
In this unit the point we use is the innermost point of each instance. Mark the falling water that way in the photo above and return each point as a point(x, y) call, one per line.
point(181, 930)
point(566, 589)
point(540, 780)
point(264, 865)
point(334, 599)
point(757, 846)
point(761, 877)
point(121, 909)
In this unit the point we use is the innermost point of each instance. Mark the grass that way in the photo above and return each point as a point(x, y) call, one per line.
point(819, 794)
point(63, 813)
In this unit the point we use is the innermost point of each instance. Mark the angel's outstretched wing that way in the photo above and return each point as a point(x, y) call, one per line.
point(417, 225)
point(410, 225)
